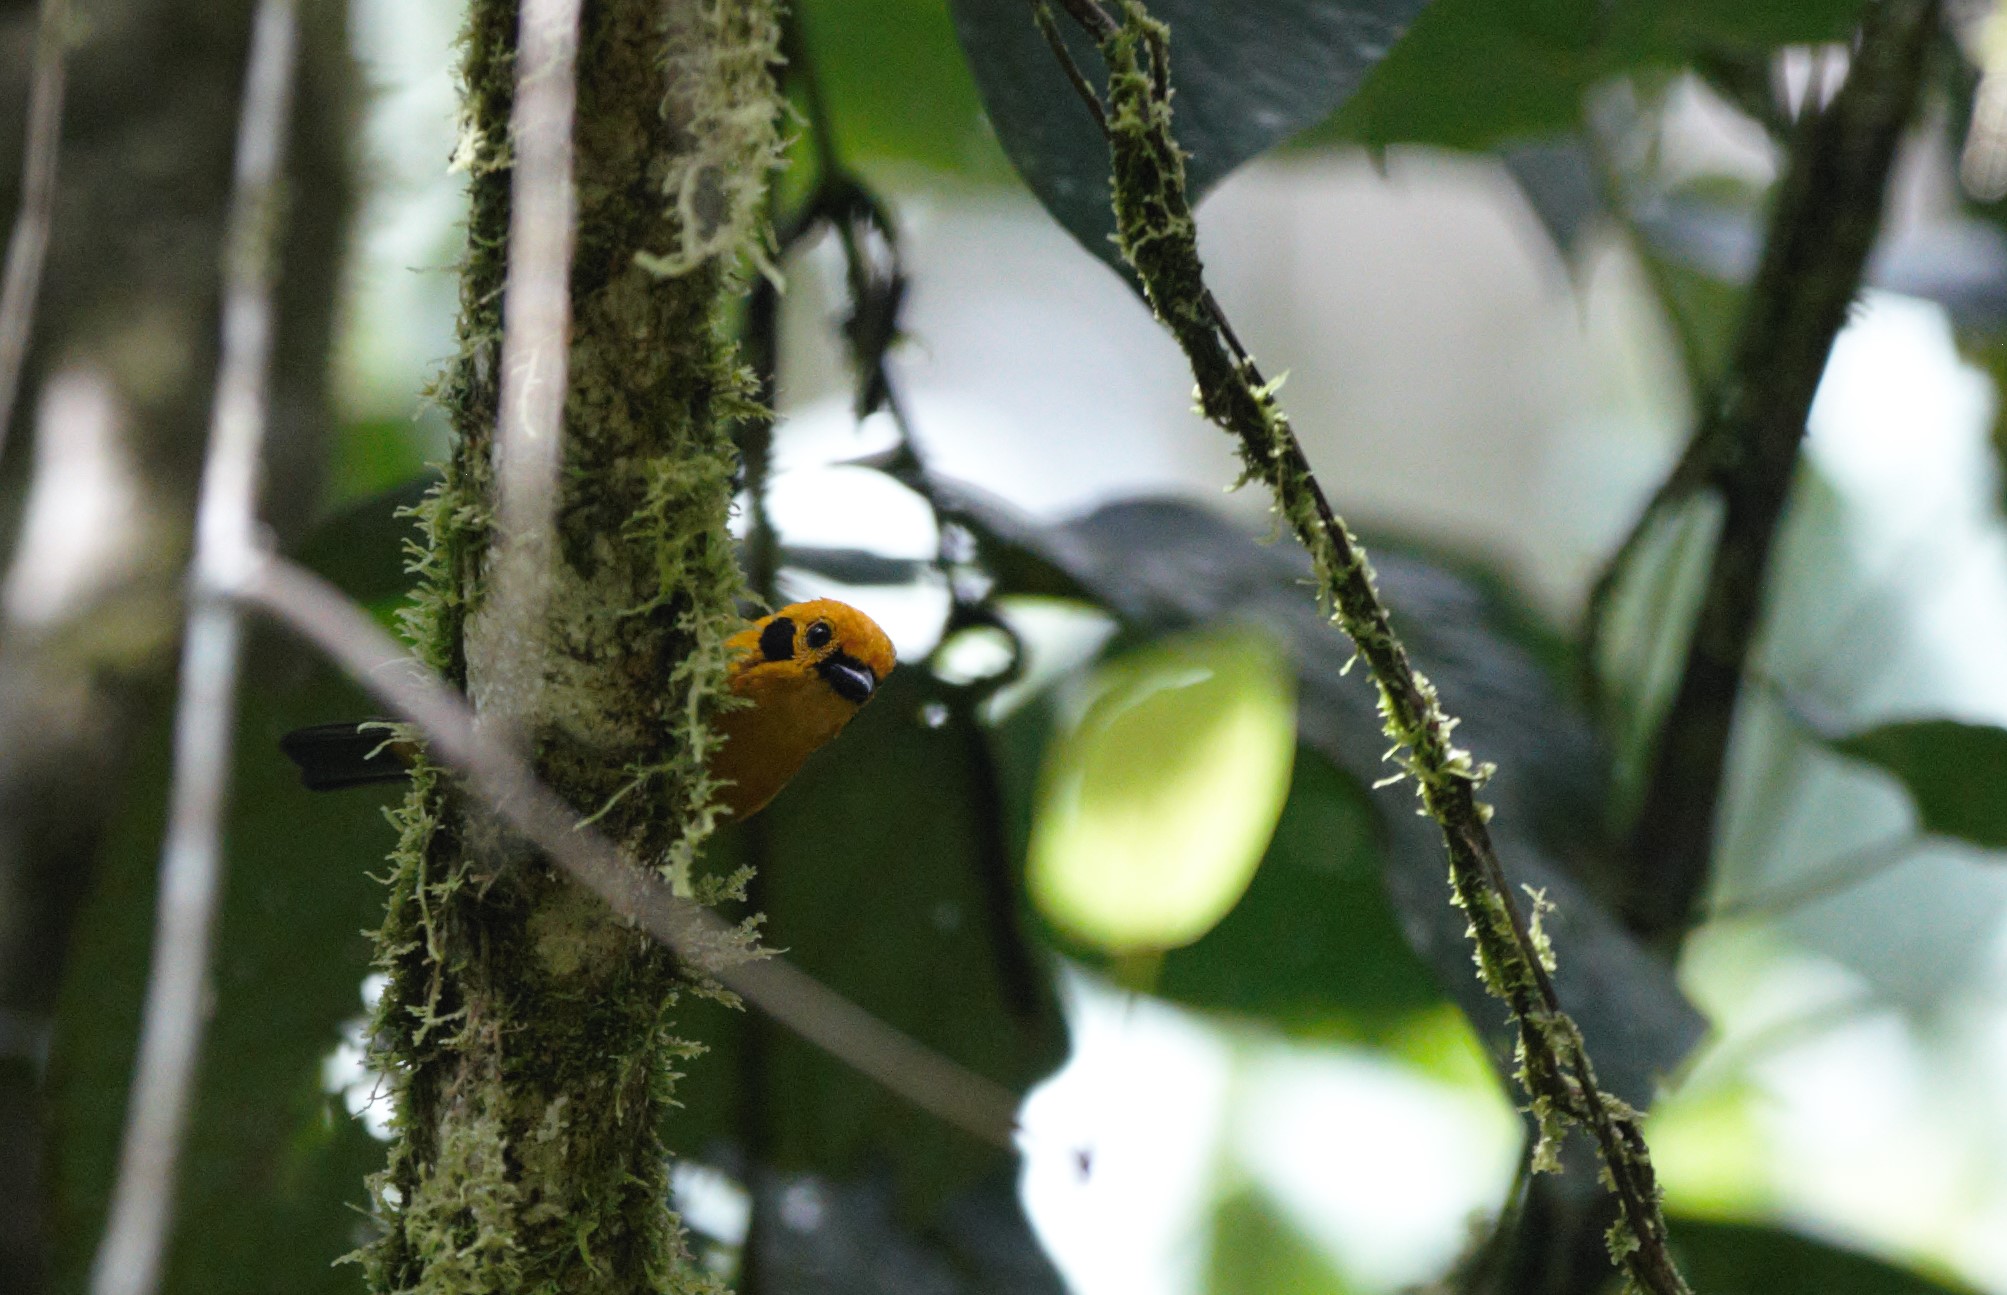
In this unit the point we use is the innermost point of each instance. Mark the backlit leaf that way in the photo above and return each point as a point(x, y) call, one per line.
point(1155, 807)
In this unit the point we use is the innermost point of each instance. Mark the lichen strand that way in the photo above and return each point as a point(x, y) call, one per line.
point(527, 1039)
point(719, 57)
point(1157, 235)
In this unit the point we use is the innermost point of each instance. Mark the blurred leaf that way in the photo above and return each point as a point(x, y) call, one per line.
point(1558, 180)
point(1156, 806)
point(1958, 262)
point(881, 879)
point(360, 546)
point(1314, 945)
point(1256, 1251)
point(381, 454)
point(1474, 73)
point(1955, 773)
point(1248, 75)
point(1754, 1259)
point(849, 1238)
point(1165, 565)
point(875, 60)
point(273, 1164)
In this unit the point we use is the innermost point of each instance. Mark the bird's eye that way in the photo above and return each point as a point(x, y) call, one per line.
point(819, 635)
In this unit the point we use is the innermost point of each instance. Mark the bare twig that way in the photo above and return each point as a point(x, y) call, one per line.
point(506, 643)
point(1158, 238)
point(129, 1259)
point(29, 243)
point(1828, 211)
point(322, 615)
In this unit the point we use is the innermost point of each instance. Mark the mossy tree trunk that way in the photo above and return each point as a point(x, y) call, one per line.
point(527, 1035)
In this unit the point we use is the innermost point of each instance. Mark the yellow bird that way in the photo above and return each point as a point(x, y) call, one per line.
point(806, 669)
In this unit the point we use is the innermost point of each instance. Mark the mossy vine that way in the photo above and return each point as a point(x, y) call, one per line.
point(527, 1037)
point(1158, 238)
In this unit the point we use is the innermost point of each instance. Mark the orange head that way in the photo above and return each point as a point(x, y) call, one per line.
point(806, 669)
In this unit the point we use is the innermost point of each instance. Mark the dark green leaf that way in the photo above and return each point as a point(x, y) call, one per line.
point(1754, 1259)
point(882, 874)
point(361, 545)
point(850, 1238)
point(1474, 73)
point(1249, 74)
point(1314, 943)
point(1955, 773)
point(381, 454)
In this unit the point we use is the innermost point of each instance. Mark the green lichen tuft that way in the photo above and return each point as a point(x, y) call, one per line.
point(528, 1038)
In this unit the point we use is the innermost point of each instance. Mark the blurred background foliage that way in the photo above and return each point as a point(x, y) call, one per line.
point(1499, 247)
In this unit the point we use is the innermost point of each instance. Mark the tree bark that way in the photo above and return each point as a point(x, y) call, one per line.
point(528, 1037)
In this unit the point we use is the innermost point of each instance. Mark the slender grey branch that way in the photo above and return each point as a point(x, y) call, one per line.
point(29, 244)
point(323, 616)
point(506, 643)
point(130, 1257)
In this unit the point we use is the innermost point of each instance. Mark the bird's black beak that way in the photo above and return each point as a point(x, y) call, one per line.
point(851, 679)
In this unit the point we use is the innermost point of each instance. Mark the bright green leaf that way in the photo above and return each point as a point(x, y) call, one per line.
point(877, 59)
point(1256, 1251)
point(1154, 809)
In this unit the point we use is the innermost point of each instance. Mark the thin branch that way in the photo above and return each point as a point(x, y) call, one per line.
point(1688, 473)
point(1827, 214)
point(1041, 13)
point(1093, 19)
point(506, 643)
point(28, 246)
point(1157, 235)
point(320, 614)
point(130, 1257)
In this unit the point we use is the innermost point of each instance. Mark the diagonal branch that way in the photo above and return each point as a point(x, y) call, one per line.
point(1159, 240)
point(130, 1257)
point(1827, 214)
point(319, 613)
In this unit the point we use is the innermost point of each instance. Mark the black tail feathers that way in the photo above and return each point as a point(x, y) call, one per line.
point(353, 753)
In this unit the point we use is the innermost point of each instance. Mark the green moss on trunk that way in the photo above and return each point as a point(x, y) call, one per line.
point(528, 1038)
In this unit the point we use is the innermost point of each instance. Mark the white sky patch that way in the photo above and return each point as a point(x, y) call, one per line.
point(346, 1069)
point(711, 1202)
point(1385, 1169)
point(1900, 429)
point(1120, 1146)
point(84, 520)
